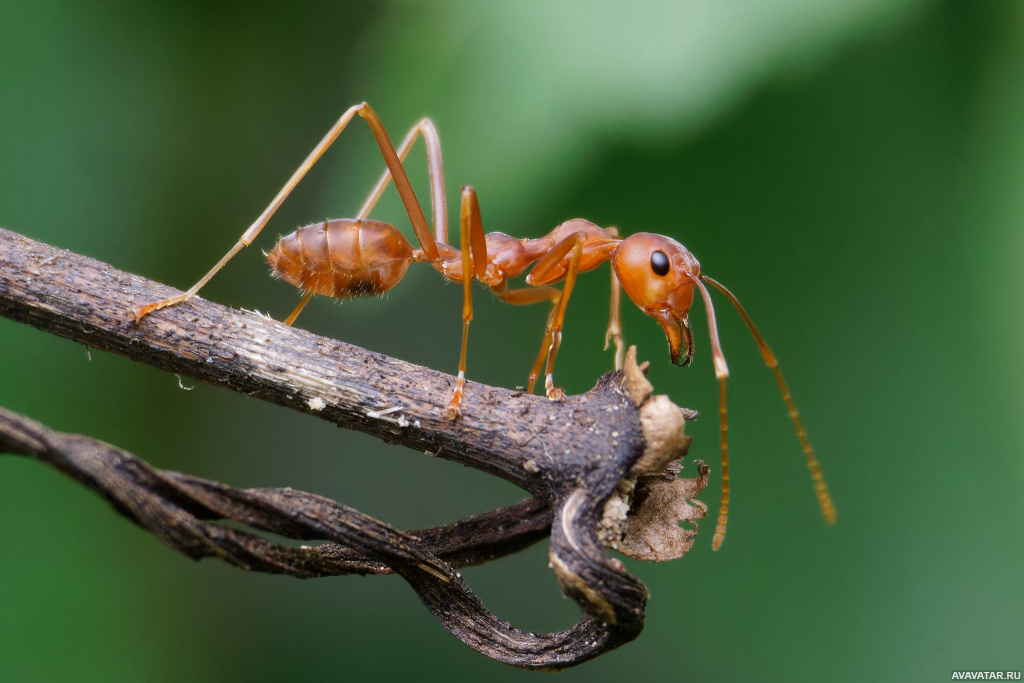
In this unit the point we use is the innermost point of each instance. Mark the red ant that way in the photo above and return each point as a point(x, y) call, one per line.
point(348, 258)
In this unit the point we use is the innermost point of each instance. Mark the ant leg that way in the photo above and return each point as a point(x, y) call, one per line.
point(257, 226)
point(290, 320)
point(435, 170)
point(553, 332)
point(555, 393)
point(526, 295)
point(474, 261)
point(438, 205)
point(820, 487)
point(387, 150)
point(614, 332)
point(412, 205)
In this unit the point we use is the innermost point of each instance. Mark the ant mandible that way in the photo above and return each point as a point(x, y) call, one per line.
point(347, 258)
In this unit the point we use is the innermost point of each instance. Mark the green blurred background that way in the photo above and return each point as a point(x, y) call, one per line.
point(853, 170)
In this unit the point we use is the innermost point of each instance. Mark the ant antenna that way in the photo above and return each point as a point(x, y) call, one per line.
point(820, 488)
point(722, 373)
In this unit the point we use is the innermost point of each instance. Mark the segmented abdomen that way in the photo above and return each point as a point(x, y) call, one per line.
point(342, 258)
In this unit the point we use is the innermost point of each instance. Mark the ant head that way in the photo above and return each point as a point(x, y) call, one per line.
point(658, 275)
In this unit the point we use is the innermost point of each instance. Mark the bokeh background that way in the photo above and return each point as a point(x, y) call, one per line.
point(853, 170)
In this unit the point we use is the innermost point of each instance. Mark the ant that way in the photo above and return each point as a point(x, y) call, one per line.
point(348, 258)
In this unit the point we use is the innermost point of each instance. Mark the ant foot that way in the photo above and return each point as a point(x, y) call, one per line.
point(454, 410)
point(138, 312)
point(554, 393)
point(141, 311)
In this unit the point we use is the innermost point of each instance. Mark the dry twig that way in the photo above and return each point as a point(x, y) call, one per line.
point(582, 461)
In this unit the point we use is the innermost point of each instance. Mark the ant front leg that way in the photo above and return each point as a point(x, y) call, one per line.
point(614, 331)
point(553, 332)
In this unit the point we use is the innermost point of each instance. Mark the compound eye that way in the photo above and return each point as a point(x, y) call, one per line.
point(659, 263)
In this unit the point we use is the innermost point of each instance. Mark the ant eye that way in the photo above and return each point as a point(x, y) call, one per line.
point(659, 263)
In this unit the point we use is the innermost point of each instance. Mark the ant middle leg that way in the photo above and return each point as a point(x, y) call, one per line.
point(474, 263)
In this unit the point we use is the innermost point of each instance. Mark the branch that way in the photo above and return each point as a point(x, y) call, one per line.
point(585, 461)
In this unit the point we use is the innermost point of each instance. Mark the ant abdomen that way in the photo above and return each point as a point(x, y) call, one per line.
point(342, 258)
